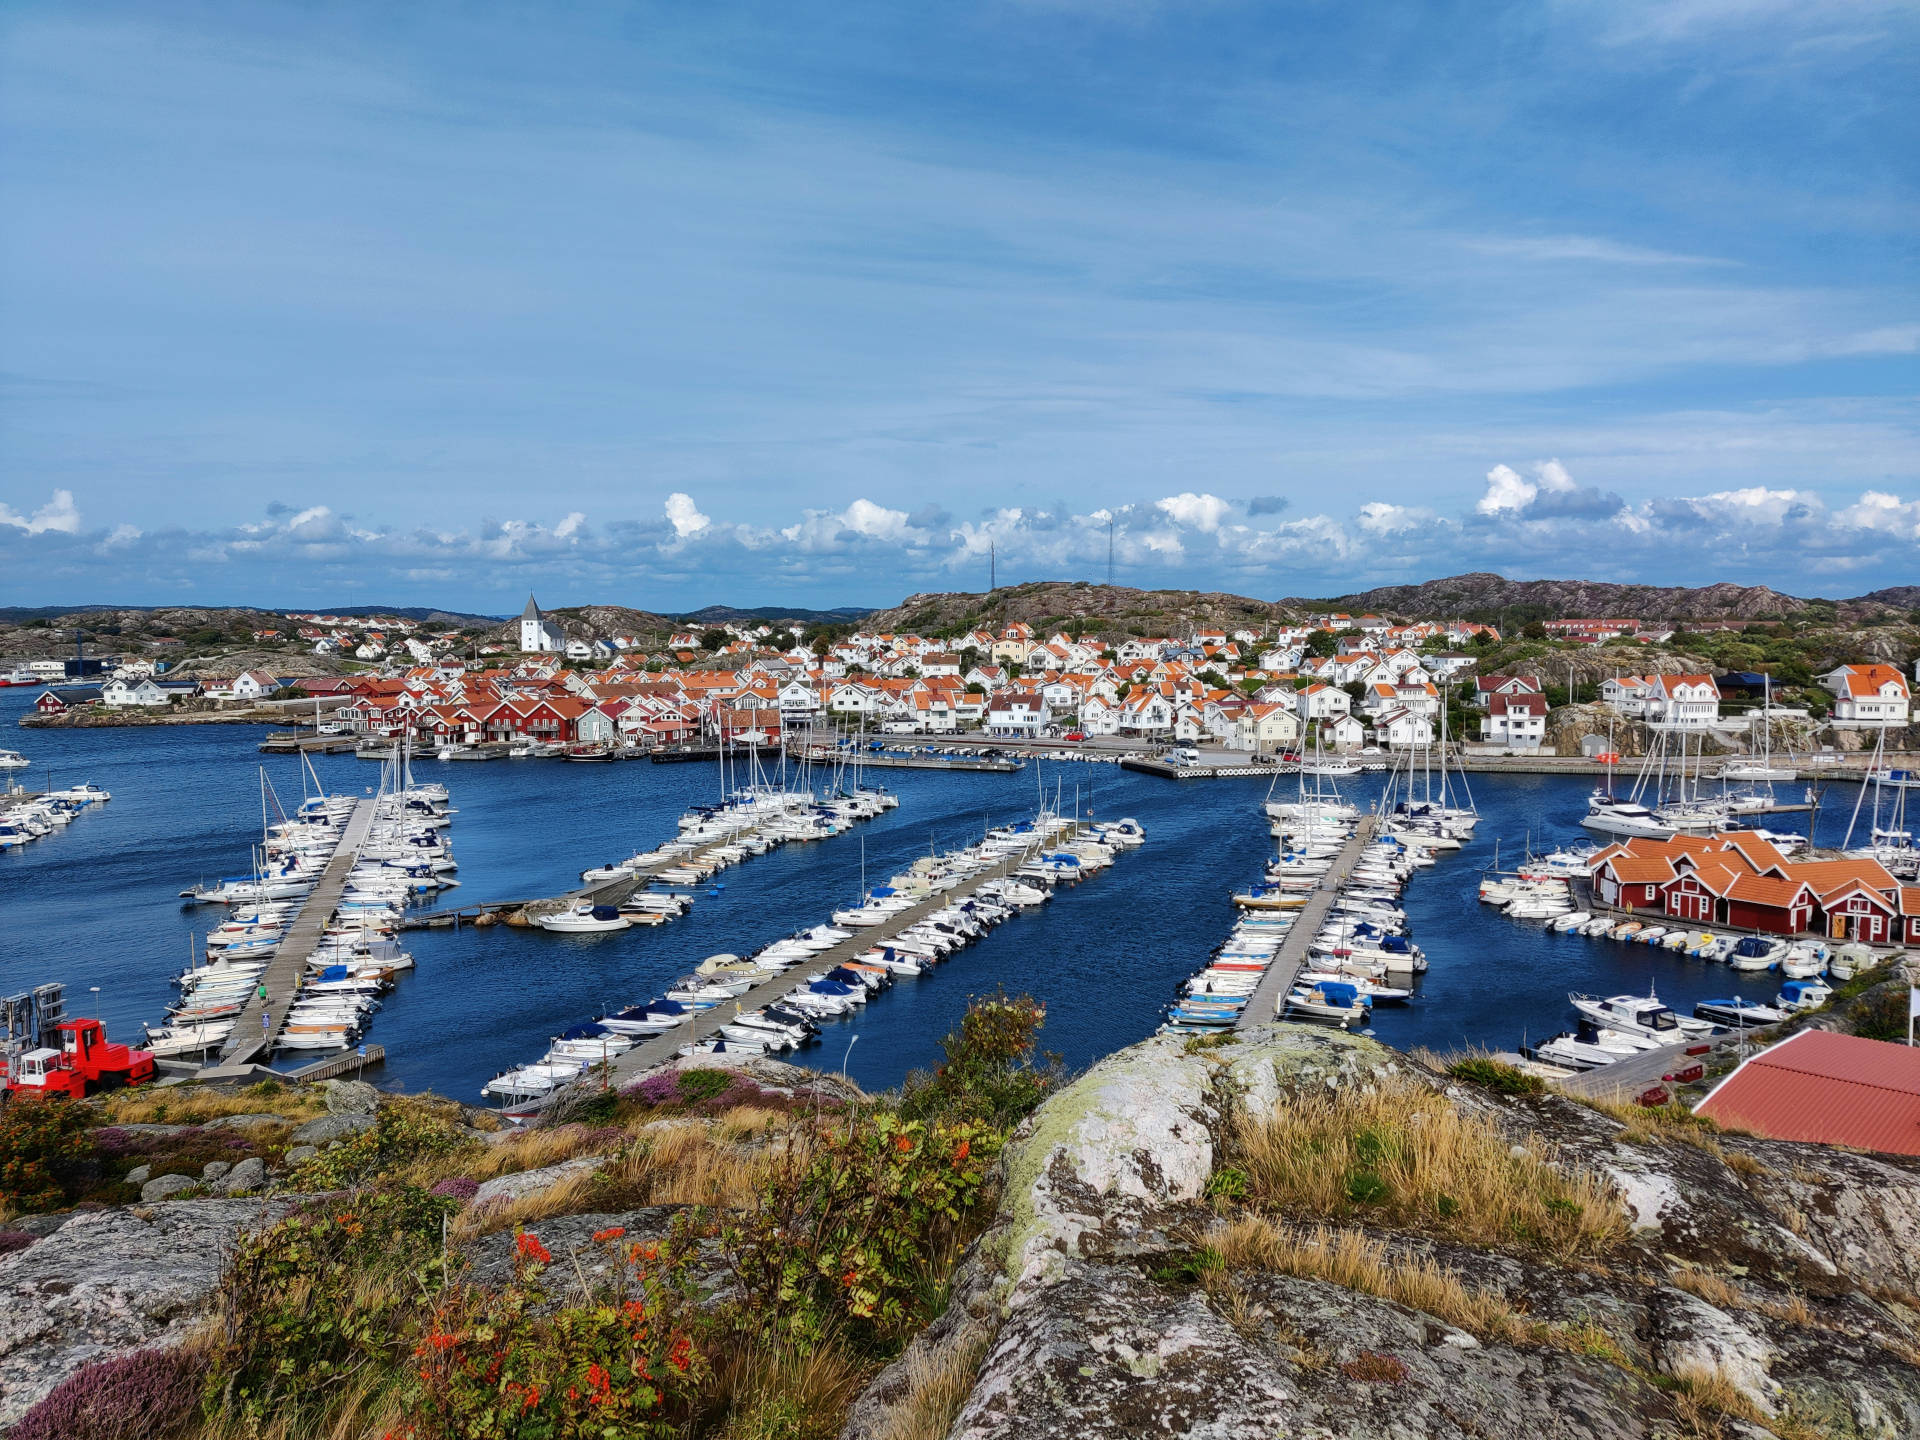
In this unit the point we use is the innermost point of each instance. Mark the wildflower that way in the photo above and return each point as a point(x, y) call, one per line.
point(612, 1232)
point(903, 1143)
point(682, 1354)
point(531, 1399)
point(530, 1247)
point(962, 1150)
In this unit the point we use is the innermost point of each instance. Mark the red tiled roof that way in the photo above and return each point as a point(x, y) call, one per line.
point(1827, 1088)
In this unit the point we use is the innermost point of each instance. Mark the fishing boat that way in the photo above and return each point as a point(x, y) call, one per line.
point(1337, 1001)
point(13, 760)
point(1803, 995)
point(1757, 952)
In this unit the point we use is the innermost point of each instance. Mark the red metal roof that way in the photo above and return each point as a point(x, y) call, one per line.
point(1828, 1088)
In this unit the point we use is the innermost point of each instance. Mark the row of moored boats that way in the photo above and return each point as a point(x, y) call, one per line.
point(28, 820)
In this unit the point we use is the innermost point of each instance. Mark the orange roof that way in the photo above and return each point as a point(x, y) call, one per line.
point(1826, 876)
point(1765, 890)
point(1636, 870)
point(1827, 1088)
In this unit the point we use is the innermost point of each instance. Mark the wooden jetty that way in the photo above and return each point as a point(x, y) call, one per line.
point(1205, 770)
point(1264, 1006)
point(300, 742)
point(347, 1062)
point(250, 1037)
point(918, 762)
point(657, 1050)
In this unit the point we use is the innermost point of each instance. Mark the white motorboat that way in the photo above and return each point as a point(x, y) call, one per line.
point(585, 920)
point(1623, 817)
point(13, 760)
point(1641, 1015)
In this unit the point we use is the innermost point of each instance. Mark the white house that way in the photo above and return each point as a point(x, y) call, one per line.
point(126, 692)
point(1266, 727)
point(1868, 695)
point(252, 685)
point(537, 633)
point(1324, 702)
point(1628, 693)
point(1401, 728)
point(1683, 702)
point(1518, 722)
point(1017, 714)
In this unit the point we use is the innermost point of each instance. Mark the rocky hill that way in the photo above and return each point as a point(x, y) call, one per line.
point(1489, 597)
point(1110, 611)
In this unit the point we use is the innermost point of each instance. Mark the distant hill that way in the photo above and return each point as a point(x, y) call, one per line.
point(1496, 599)
point(451, 619)
point(722, 614)
point(1077, 605)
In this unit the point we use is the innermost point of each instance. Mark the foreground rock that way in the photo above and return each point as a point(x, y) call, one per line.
point(1076, 1319)
point(109, 1281)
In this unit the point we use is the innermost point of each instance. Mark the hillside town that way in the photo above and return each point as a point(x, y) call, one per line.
point(1335, 680)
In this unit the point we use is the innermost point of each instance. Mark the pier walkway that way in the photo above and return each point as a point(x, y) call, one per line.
point(1264, 1007)
point(251, 1039)
point(657, 1050)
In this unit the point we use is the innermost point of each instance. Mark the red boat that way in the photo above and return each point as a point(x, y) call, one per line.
point(85, 1064)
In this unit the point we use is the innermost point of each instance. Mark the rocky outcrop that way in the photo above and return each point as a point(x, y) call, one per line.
point(1079, 1316)
point(108, 1281)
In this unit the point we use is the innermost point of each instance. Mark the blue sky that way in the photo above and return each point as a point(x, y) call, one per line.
point(677, 304)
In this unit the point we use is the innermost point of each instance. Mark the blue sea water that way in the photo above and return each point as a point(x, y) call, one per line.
point(96, 905)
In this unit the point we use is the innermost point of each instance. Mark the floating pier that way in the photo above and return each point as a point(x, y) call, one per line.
point(657, 1050)
point(919, 762)
point(299, 742)
point(1263, 1007)
point(250, 1038)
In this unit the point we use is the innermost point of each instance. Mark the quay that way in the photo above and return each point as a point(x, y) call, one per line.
point(1167, 770)
point(918, 762)
point(295, 742)
point(1263, 1007)
point(658, 1050)
point(250, 1037)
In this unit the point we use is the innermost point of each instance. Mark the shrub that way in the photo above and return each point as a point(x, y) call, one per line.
point(456, 1187)
point(1480, 1070)
point(506, 1365)
point(45, 1152)
point(399, 1137)
point(1881, 1016)
point(140, 1396)
point(12, 1241)
point(838, 1236)
point(312, 1301)
point(989, 1075)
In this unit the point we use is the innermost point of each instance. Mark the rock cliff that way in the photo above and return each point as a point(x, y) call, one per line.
point(1117, 1292)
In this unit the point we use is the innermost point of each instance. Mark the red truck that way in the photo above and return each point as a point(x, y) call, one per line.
point(85, 1064)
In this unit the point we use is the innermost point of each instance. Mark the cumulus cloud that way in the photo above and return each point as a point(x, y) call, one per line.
point(1194, 512)
point(1377, 517)
point(1266, 505)
point(1551, 494)
point(685, 516)
point(58, 516)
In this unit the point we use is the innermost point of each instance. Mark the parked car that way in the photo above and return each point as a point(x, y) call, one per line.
point(1074, 735)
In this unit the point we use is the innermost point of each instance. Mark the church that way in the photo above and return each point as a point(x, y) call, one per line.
point(536, 633)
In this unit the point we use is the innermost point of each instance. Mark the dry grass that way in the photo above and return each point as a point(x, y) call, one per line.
point(194, 1104)
point(361, 1412)
point(1658, 1124)
point(1709, 1287)
point(937, 1386)
point(1402, 1153)
point(1354, 1261)
point(786, 1394)
point(1745, 1164)
point(672, 1167)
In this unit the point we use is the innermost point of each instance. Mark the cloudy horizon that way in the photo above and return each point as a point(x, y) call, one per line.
point(764, 304)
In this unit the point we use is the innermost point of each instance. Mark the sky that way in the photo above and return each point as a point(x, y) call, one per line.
point(821, 304)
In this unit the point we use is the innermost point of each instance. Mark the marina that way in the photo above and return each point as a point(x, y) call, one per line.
point(1106, 961)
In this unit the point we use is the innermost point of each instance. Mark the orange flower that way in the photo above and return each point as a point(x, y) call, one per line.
point(962, 1150)
point(531, 1399)
point(682, 1355)
point(903, 1143)
point(612, 1232)
point(530, 1247)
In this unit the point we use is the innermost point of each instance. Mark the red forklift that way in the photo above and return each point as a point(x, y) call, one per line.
point(86, 1063)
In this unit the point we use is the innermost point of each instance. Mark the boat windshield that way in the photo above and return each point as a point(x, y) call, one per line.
point(1660, 1019)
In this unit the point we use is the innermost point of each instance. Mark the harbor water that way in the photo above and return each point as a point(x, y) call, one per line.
point(96, 905)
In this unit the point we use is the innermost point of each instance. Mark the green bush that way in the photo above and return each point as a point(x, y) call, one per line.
point(397, 1138)
point(989, 1075)
point(45, 1152)
point(311, 1303)
point(1478, 1070)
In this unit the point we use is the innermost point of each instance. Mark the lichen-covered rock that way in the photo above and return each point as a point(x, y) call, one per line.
point(507, 1188)
point(1088, 1333)
point(162, 1186)
point(351, 1097)
point(249, 1174)
point(214, 1170)
point(109, 1281)
point(330, 1127)
point(300, 1154)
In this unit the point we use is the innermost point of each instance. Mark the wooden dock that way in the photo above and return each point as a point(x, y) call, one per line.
point(1205, 770)
point(251, 1038)
point(1264, 1006)
point(657, 1050)
point(347, 1062)
point(918, 762)
point(296, 742)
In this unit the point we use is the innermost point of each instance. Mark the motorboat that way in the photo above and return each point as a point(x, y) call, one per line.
point(1607, 816)
point(1798, 995)
point(13, 760)
point(1738, 1014)
point(1757, 952)
point(585, 920)
point(1642, 1015)
point(1338, 1001)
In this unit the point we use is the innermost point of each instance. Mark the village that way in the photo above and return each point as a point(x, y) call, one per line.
point(1336, 681)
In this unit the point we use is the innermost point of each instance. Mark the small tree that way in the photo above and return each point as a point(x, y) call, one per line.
point(714, 640)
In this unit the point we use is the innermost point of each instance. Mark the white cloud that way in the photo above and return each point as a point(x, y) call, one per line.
point(1505, 491)
point(1195, 512)
point(1877, 510)
point(569, 527)
point(57, 515)
point(863, 517)
point(1380, 518)
point(685, 516)
point(1549, 248)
